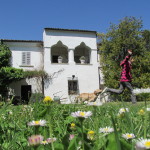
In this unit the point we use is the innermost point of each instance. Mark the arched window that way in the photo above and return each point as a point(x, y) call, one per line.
point(82, 50)
point(57, 50)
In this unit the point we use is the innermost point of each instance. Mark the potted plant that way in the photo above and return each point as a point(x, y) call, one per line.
point(82, 59)
point(60, 58)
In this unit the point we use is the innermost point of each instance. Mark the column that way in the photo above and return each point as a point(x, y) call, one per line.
point(71, 56)
point(93, 59)
point(47, 57)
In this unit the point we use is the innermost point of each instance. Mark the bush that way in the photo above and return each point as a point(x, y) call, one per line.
point(36, 97)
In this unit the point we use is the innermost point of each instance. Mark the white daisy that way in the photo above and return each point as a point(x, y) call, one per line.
point(148, 109)
point(37, 123)
point(106, 130)
point(123, 110)
point(94, 104)
point(81, 114)
point(128, 136)
point(142, 144)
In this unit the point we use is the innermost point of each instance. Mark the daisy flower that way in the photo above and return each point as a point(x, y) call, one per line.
point(81, 114)
point(37, 123)
point(94, 104)
point(142, 144)
point(148, 109)
point(123, 110)
point(128, 136)
point(51, 140)
point(106, 130)
point(35, 140)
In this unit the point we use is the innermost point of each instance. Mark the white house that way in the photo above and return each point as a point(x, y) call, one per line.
point(68, 78)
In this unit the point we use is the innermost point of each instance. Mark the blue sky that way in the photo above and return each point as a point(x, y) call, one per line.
point(26, 19)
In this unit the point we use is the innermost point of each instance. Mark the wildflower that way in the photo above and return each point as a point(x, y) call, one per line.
point(81, 114)
point(71, 136)
point(128, 136)
point(35, 140)
point(47, 99)
point(142, 144)
point(120, 115)
point(73, 125)
point(51, 140)
point(141, 112)
point(37, 123)
point(148, 109)
point(123, 110)
point(3, 116)
point(90, 135)
point(106, 130)
point(44, 142)
point(10, 112)
point(94, 104)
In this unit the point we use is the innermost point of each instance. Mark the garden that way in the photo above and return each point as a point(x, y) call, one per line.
point(47, 125)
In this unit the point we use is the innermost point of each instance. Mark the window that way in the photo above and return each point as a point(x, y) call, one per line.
point(72, 87)
point(26, 58)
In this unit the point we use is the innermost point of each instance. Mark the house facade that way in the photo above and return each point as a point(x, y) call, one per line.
point(67, 78)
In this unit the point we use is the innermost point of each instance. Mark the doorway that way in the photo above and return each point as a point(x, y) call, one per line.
point(25, 93)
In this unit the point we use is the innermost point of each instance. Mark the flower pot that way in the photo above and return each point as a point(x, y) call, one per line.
point(59, 61)
point(82, 61)
point(56, 99)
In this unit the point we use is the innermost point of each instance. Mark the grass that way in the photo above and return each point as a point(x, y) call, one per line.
point(15, 131)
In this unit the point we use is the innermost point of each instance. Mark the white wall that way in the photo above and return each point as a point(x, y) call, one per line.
point(36, 50)
point(87, 75)
point(69, 38)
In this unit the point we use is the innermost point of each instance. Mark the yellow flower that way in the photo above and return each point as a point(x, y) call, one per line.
point(141, 112)
point(90, 135)
point(73, 125)
point(47, 99)
point(44, 142)
point(91, 132)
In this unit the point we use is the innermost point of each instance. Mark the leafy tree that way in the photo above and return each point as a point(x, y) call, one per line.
point(8, 74)
point(5, 55)
point(127, 34)
point(146, 36)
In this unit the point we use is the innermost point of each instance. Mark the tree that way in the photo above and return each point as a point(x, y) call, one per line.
point(8, 74)
point(127, 34)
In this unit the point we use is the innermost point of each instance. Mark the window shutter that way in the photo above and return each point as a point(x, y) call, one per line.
point(28, 58)
point(23, 58)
